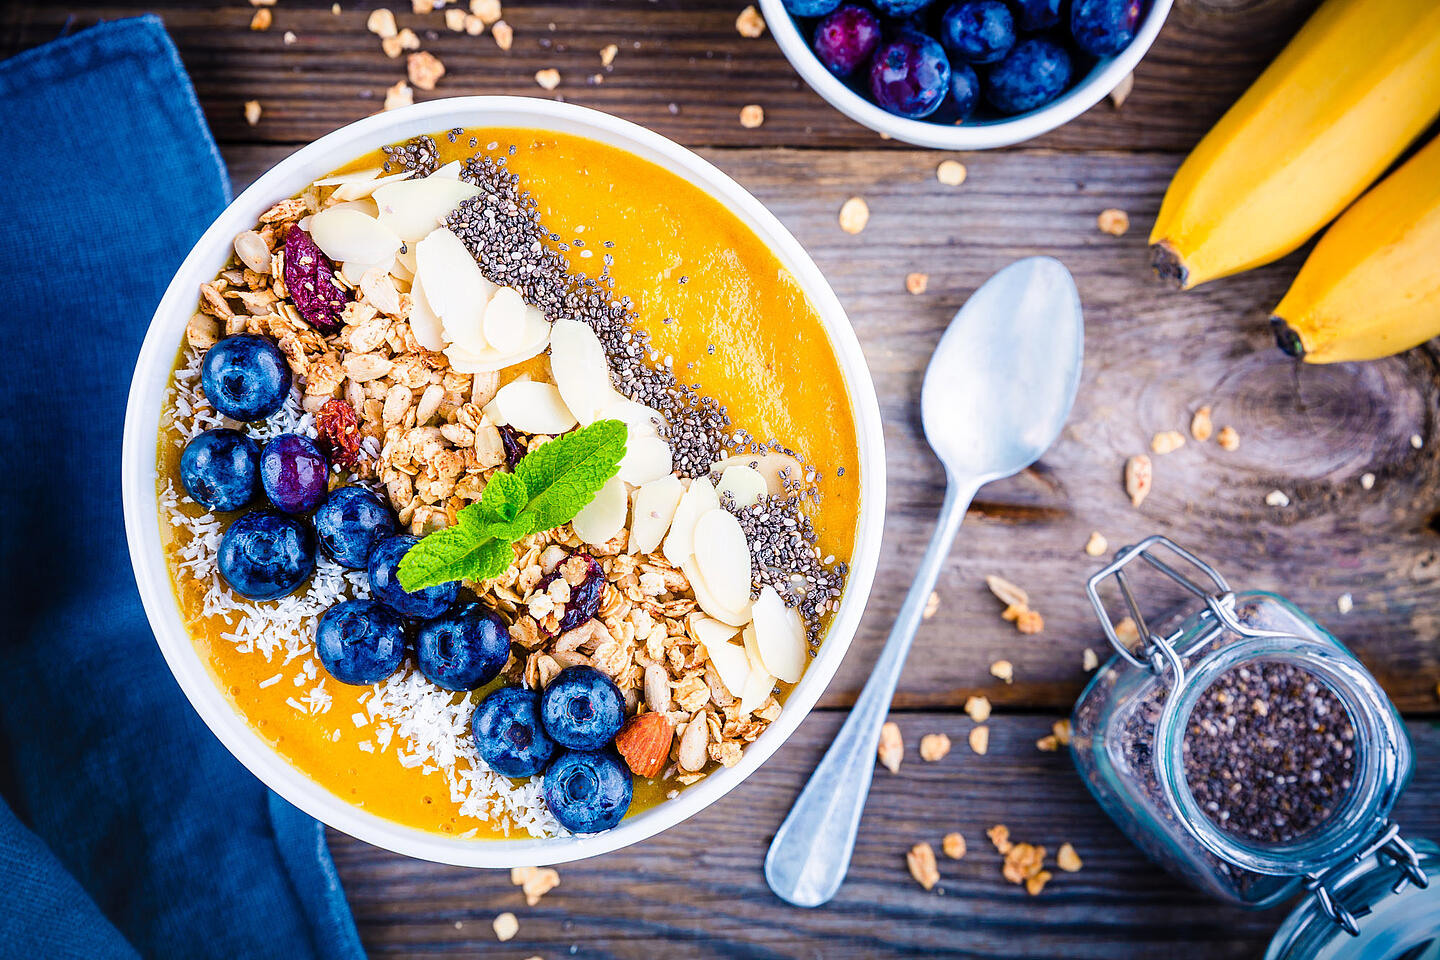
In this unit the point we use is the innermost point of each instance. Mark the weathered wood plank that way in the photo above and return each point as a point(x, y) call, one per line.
point(1152, 357)
point(684, 53)
point(697, 890)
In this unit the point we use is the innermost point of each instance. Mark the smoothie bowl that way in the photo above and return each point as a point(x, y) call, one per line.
point(503, 482)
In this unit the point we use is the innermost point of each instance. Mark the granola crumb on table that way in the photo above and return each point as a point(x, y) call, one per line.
point(892, 749)
point(921, 860)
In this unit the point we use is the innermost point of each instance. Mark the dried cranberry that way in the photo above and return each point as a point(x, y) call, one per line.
point(514, 449)
point(339, 427)
point(310, 278)
point(584, 600)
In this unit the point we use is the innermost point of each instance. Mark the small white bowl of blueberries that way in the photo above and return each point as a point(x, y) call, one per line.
point(964, 74)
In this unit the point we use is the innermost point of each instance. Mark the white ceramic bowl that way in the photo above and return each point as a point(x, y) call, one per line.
point(142, 521)
point(971, 135)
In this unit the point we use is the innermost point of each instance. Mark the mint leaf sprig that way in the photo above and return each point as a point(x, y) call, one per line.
point(550, 485)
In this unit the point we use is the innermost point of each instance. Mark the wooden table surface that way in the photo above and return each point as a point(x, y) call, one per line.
point(1152, 357)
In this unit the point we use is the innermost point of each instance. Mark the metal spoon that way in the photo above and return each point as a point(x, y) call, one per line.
point(998, 389)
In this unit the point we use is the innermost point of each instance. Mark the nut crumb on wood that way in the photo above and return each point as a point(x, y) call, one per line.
point(917, 282)
point(487, 10)
point(1277, 498)
point(1047, 744)
point(1113, 221)
point(1089, 660)
point(1097, 544)
point(1003, 670)
point(503, 33)
point(1000, 836)
point(953, 845)
point(1416, 441)
point(1367, 481)
point(381, 22)
point(921, 861)
point(262, 19)
point(892, 749)
point(1201, 426)
point(1228, 439)
point(934, 746)
point(455, 19)
point(548, 79)
point(290, 38)
point(1067, 859)
point(424, 69)
point(752, 115)
point(749, 23)
point(1007, 592)
point(1167, 441)
point(1121, 93)
point(952, 173)
point(252, 112)
point(506, 926)
point(534, 882)
point(1139, 476)
point(1030, 622)
point(473, 25)
point(1127, 632)
point(399, 95)
point(980, 739)
point(607, 54)
point(978, 708)
point(854, 214)
point(932, 604)
point(1345, 603)
point(1061, 730)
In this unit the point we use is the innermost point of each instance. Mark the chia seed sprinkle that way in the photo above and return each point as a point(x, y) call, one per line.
point(783, 555)
point(420, 154)
point(1269, 752)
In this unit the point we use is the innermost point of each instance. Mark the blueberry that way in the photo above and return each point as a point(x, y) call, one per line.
point(964, 90)
point(810, 8)
point(978, 31)
point(508, 734)
point(900, 8)
point(1031, 15)
point(582, 708)
point(294, 473)
point(350, 522)
point(463, 650)
point(264, 555)
point(1034, 73)
point(245, 377)
point(1103, 28)
point(360, 641)
point(423, 604)
point(588, 791)
point(220, 469)
point(909, 75)
point(845, 40)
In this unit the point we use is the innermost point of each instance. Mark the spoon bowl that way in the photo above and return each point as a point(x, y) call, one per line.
point(996, 393)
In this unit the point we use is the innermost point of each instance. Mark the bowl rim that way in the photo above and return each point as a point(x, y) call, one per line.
point(1103, 77)
point(141, 507)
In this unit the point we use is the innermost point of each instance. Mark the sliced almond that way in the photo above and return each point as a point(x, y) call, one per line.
point(413, 208)
point(489, 360)
point(356, 189)
point(344, 233)
point(505, 320)
point(423, 321)
point(646, 459)
point(698, 499)
point(705, 597)
point(449, 171)
point(354, 270)
point(731, 663)
point(653, 509)
point(759, 684)
point(604, 517)
point(457, 290)
point(642, 421)
point(723, 555)
point(779, 636)
point(744, 483)
point(775, 467)
point(577, 361)
point(531, 406)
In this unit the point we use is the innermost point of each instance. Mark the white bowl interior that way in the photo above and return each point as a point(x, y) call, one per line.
point(980, 135)
point(142, 522)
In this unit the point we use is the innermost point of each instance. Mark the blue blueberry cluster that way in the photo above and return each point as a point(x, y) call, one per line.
point(566, 732)
point(948, 63)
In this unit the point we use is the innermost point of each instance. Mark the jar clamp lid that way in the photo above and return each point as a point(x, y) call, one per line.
point(1358, 840)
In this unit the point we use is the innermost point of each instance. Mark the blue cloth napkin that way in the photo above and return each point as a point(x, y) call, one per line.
point(129, 830)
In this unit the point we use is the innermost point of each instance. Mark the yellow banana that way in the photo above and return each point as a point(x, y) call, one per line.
point(1371, 286)
point(1356, 85)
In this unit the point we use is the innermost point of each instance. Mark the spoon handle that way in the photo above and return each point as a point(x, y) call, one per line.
point(811, 852)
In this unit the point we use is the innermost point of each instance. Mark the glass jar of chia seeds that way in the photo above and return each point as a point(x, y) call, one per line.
point(1243, 747)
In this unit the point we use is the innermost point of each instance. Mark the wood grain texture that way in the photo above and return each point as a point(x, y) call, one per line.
point(1153, 356)
point(684, 53)
point(696, 891)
